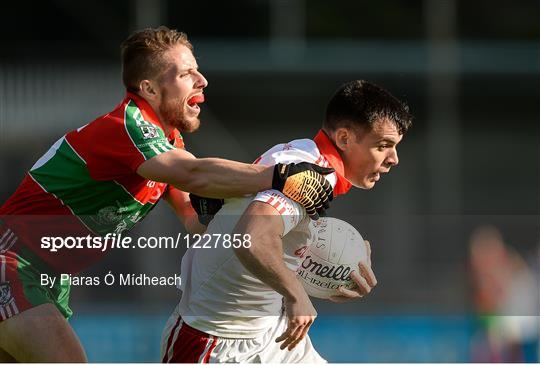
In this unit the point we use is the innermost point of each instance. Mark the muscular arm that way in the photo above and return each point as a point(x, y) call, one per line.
point(264, 258)
point(210, 177)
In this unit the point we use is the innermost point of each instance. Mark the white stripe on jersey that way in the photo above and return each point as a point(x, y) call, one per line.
point(2, 269)
point(211, 340)
point(14, 307)
point(138, 117)
point(48, 155)
point(170, 353)
point(4, 235)
point(157, 152)
point(164, 147)
point(8, 244)
point(8, 310)
point(127, 131)
point(139, 120)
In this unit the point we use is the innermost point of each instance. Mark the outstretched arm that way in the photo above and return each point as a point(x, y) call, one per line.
point(219, 178)
point(211, 177)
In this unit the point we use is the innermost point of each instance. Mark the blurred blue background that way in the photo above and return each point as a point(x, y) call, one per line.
point(125, 338)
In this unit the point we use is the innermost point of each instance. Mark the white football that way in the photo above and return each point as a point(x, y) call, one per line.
point(334, 251)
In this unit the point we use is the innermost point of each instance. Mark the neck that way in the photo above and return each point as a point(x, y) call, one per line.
point(166, 127)
point(332, 137)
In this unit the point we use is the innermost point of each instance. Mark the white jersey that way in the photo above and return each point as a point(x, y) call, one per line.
point(219, 295)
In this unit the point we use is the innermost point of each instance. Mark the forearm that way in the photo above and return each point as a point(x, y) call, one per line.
point(268, 266)
point(264, 258)
point(219, 178)
point(210, 177)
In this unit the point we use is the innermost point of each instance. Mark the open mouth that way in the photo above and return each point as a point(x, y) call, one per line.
point(194, 101)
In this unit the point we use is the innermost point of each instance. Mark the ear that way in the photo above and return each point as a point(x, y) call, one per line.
point(342, 138)
point(148, 90)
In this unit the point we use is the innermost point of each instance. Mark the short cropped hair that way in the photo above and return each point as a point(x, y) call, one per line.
point(360, 104)
point(142, 54)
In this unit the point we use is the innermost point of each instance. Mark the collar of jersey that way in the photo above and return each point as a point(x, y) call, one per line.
point(327, 149)
point(148, 113)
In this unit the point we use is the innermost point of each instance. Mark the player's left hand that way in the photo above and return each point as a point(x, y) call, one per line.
point(305, 184)
point(365, 281)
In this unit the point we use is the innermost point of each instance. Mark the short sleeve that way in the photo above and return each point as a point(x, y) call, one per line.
point(116, 144)
point(291, 212)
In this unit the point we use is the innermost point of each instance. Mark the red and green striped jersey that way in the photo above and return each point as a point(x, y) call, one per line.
point(87, 183)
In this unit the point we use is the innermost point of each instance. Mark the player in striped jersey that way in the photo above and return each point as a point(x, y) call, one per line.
point(104, 178)
point(244, 304)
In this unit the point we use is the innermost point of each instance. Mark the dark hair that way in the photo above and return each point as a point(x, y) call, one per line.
point(142, 54)
point(360, 104)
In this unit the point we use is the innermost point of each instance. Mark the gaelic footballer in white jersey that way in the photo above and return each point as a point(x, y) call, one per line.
point(220, 296)
point(228, 314)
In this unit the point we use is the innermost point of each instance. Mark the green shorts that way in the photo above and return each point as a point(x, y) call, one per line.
point(20, 285)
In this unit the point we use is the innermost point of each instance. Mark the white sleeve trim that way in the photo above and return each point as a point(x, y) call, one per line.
point(290, 211)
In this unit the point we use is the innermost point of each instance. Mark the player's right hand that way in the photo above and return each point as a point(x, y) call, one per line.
point(301, 314)
point(364, 279)
point(305, 184)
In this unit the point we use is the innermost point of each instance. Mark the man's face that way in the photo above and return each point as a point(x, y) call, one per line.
point(368, 154)
point(181, 90)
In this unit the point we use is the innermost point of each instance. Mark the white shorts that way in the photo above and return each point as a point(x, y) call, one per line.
point(181, 343)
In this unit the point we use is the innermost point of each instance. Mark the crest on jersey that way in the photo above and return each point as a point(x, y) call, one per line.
point(148, 131)
point(109, 215)
point(5, 293)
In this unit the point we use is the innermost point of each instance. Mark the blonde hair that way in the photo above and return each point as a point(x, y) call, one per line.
point(142, 54)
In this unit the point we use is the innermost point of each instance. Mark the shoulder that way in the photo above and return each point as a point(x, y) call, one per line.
point(106, 125)
point(298, 150)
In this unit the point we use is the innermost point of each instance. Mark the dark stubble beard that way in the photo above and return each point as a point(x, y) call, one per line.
point(173, 113)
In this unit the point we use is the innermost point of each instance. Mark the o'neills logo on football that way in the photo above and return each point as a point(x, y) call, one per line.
point(331, 272)
point(301, 251)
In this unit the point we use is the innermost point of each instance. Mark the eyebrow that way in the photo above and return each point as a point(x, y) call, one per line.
point(196, 67)
point(387, 140)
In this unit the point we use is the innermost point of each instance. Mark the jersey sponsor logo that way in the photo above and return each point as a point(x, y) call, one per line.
point(148, 131)
point(5, 293)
